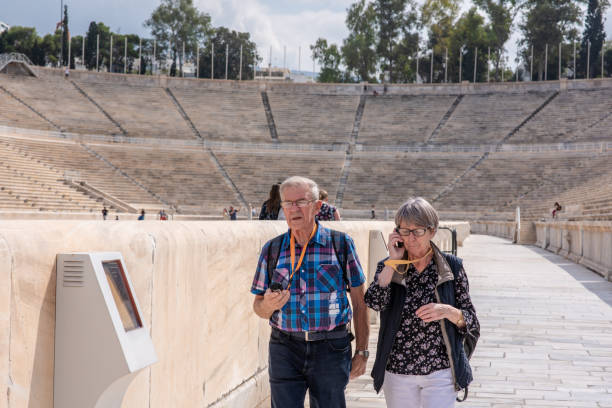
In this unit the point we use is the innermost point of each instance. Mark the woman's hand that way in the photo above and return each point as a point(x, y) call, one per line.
point(433, 312)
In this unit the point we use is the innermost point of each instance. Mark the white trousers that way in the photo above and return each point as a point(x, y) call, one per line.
point(435, 390)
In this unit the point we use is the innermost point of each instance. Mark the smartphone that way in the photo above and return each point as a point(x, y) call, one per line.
point(399, 244)
point(276, 287)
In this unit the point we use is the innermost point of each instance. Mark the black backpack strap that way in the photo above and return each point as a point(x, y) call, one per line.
point(274, 249)
point(339, 238)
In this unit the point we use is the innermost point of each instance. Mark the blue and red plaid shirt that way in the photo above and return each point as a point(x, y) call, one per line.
point(319, 300)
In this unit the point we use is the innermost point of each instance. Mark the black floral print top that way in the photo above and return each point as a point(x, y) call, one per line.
point(418, 348)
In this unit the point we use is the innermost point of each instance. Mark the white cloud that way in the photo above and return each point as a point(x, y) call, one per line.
point(278, 28)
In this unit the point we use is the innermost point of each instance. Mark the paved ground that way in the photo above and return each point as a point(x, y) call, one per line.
point(546, 331)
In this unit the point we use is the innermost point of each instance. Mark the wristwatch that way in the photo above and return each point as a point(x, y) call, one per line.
point(364, 353)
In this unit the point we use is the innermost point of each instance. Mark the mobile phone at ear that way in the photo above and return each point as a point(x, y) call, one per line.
point(399, 244)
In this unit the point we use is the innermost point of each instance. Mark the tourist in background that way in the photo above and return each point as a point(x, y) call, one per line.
point(104, 213)
point(300, 286)
point(142, 215)
point(271, 207)
point(556, 208)
point(373, 212)
point(426, 315)
point(328, 212)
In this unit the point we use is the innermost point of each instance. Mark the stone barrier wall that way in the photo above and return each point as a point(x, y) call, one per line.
point(588, 243)
point(464, 88)
point(192, 280)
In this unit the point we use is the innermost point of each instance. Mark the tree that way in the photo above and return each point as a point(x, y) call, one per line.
point(65, 38)
point(470, 34)
point(177, 22)
point(233, 39)
point(547, 22)
point(329, 59)
point(595, 34)
point(501, 14)
point(439, 16)
point(393, 20)
point(90, 45)
point(359, 48)
point(19, 39)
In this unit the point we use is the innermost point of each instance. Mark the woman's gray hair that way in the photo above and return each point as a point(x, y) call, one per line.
point(418, 211)
point(298, 181)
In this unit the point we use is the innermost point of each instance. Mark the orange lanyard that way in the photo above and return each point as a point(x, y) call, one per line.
point(295, 267)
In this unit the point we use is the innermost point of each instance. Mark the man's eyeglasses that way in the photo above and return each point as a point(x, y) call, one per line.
point(297, 203)
point(404, 232)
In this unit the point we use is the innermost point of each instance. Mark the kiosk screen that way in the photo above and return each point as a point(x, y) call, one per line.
point(122, 295)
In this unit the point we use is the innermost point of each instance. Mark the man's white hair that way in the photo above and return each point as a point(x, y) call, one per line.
point(298, 181)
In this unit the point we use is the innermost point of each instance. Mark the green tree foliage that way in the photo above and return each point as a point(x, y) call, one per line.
point(65, 37)
point(470, 34)
point(501, 13)
point(439, 17)
point(547, 22)
point(329, 59)
point(359, 48)
point(595, 34)
point(234, 40)
point(177, 22)
point(20, 39)
point(396, 20)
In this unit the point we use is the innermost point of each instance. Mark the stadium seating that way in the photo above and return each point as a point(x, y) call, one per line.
point(143, 111)
point(30, 185)
point(178, 177)
point(488, 118)
point(402, 119)
point(569, 118)
point(135, 143)
point(255, 172)
point(226, 115)
point(313, 118)
point(61, 103)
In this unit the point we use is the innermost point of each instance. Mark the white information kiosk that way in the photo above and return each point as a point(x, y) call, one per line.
point(101, 341)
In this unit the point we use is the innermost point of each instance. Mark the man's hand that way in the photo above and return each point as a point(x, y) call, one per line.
point(265, 305)
point(358, 366)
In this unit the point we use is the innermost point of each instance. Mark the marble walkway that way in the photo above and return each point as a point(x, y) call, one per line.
point(546, 331)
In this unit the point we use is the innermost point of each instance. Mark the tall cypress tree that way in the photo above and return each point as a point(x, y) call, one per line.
point(593, 32)
point(65, 35)
point(90, 45)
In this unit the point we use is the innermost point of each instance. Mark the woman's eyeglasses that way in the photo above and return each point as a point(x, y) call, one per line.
point(404, 232)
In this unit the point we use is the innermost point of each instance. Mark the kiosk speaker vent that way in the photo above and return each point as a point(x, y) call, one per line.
point(73, 273)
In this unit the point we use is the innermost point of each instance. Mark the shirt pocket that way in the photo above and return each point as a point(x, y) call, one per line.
point(281, 276)
point(328, 278)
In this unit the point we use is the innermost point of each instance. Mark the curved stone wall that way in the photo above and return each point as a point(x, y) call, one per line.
point(192, 280)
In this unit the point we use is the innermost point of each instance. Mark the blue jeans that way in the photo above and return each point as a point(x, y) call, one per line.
point(321, 367)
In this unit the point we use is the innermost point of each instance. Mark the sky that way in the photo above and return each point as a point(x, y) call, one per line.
point(278, 24)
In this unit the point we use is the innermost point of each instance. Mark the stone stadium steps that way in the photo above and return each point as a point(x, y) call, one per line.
point(502, 177)
point(13, 113)
point(387, 180)
point(38, 186)
point(402, 119)
point(488, 118)
point(228, 115)
point(313, 118)
point(178, 177)
point(566, 117)
point(255, 172)
point(142, 111)
point(76, 162)
point(60, 103)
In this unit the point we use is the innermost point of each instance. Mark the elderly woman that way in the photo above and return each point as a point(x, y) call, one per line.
point(426, 315)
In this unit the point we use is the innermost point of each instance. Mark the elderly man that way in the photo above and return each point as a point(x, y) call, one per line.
point(301, 285)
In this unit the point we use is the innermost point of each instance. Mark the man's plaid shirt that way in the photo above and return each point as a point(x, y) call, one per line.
point(318, 301)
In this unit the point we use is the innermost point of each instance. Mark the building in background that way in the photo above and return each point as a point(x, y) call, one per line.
point(4, 27)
